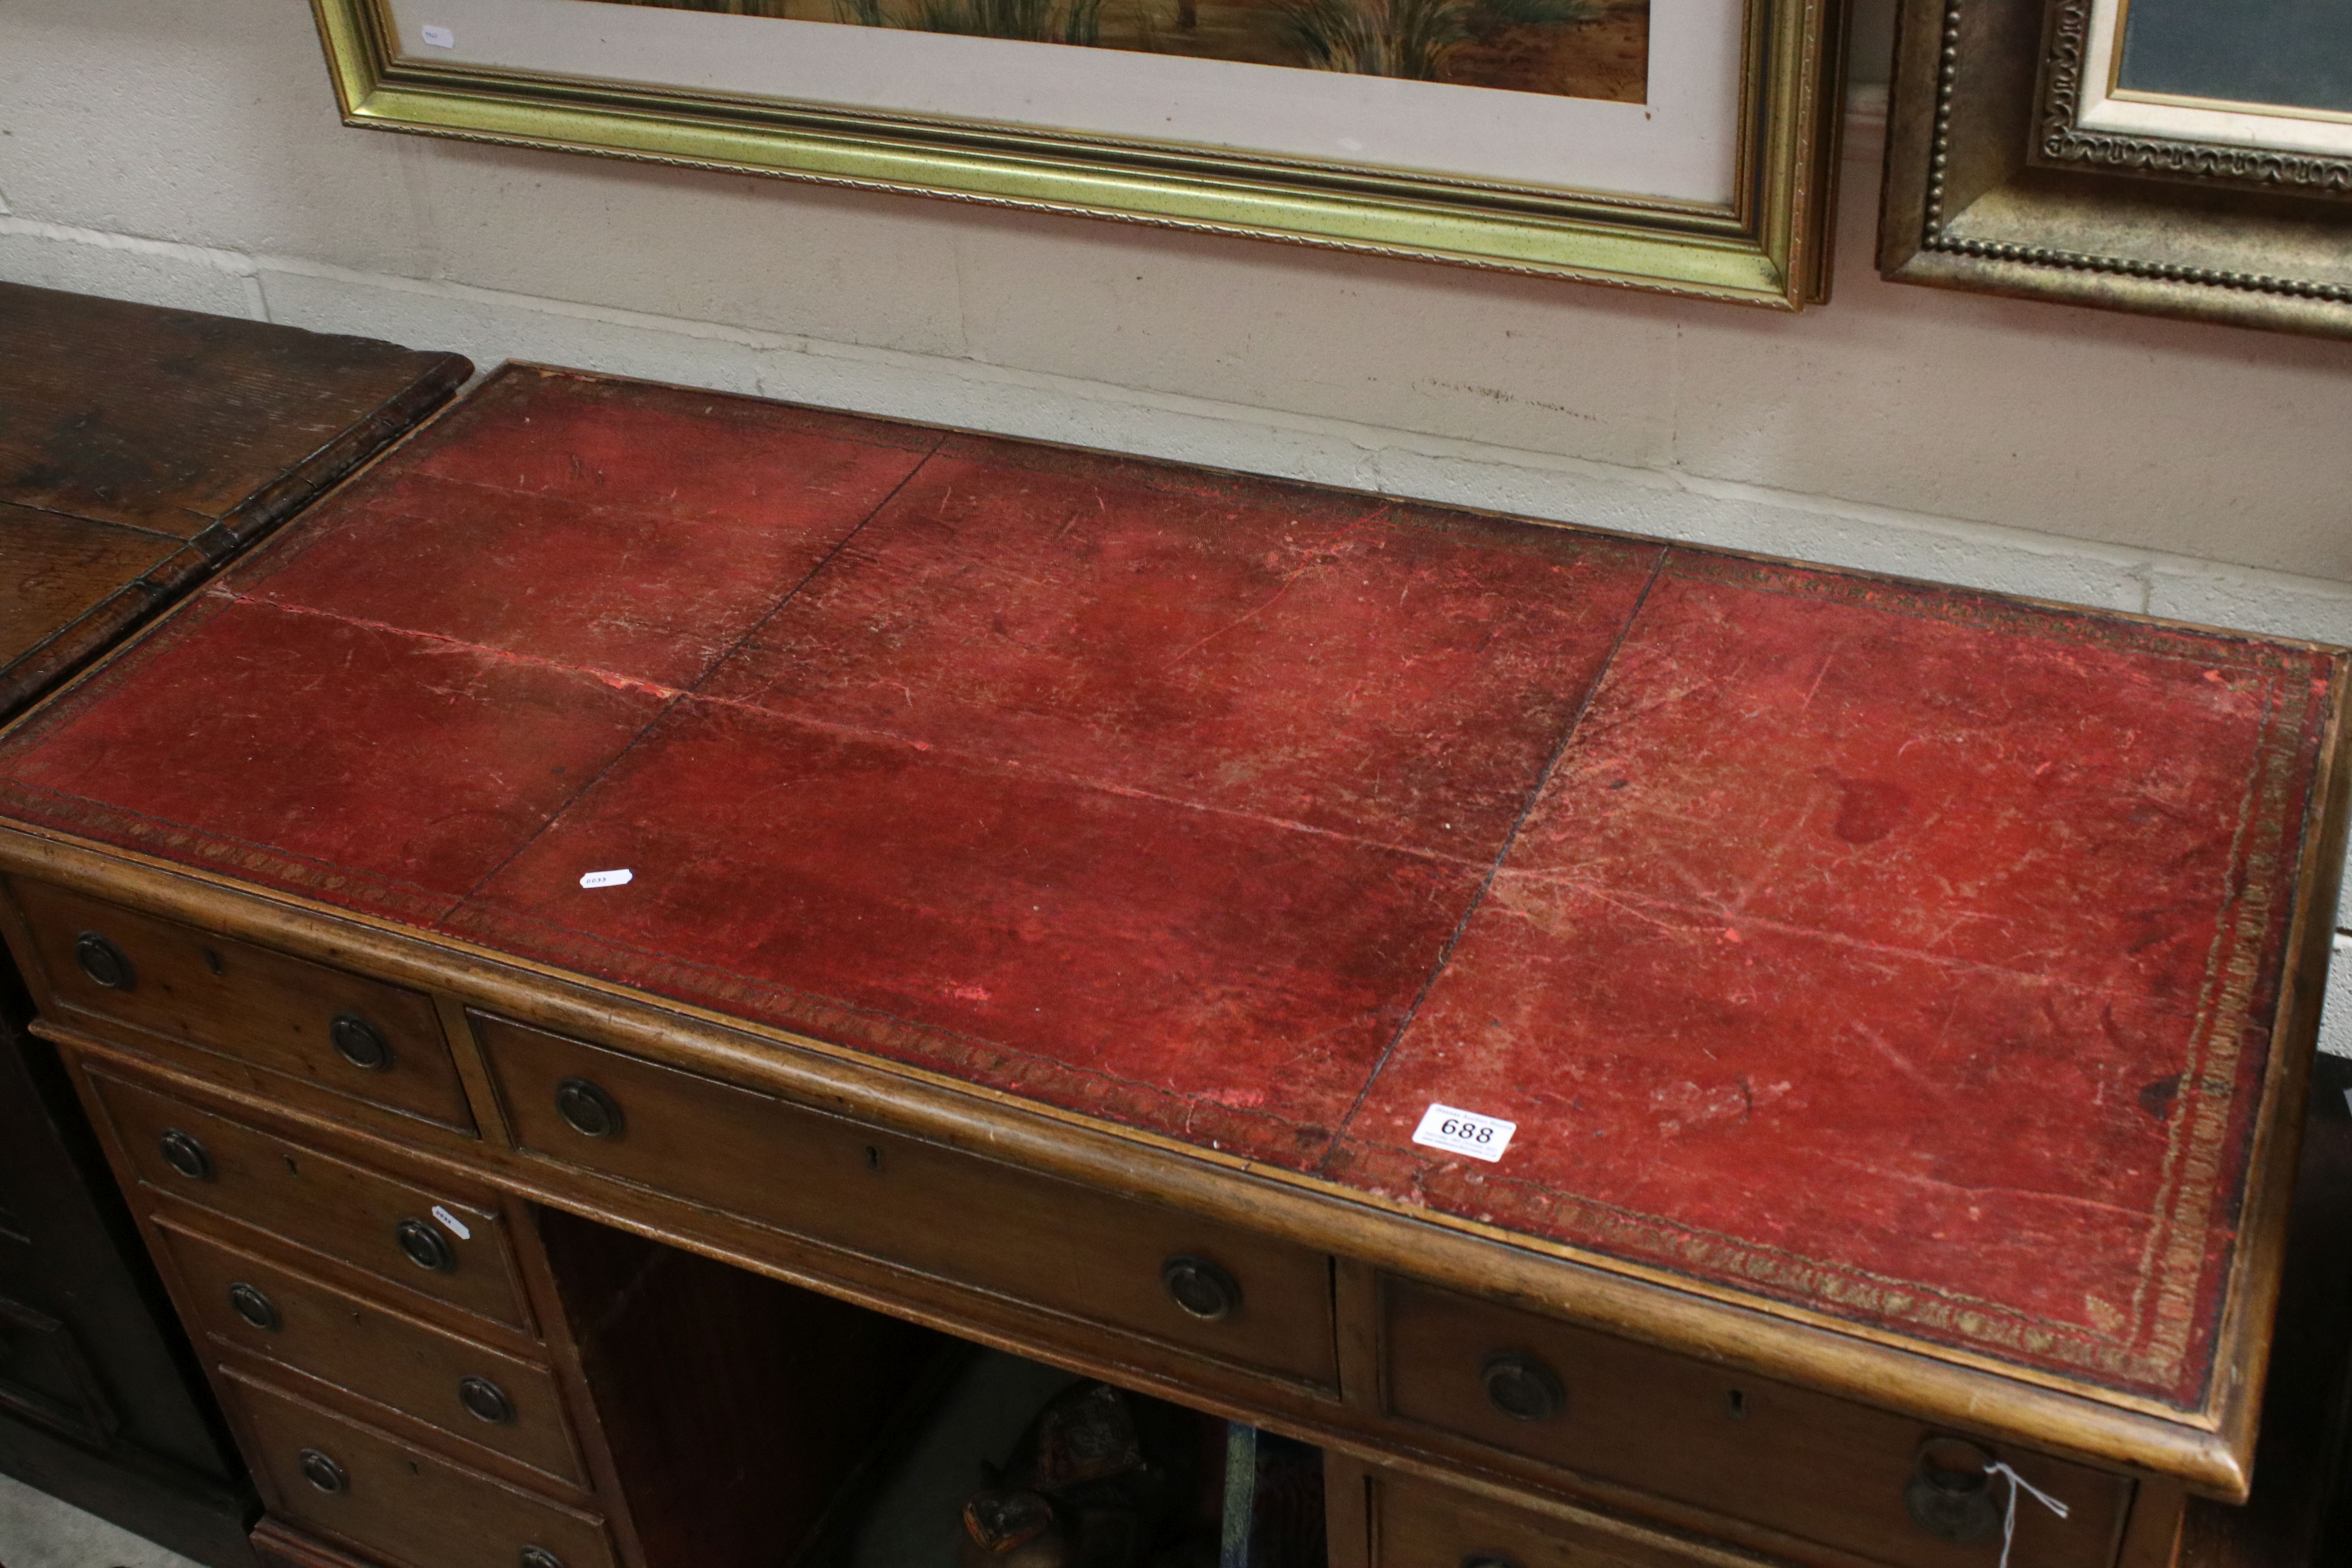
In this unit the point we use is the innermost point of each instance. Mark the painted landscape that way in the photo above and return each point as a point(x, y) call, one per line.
point(1576, 48)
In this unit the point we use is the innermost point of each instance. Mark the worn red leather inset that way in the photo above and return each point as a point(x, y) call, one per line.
point(698, 457)
point(367, 766)
point(517, 534)
point(1905, 957)
point(2044, 791)
point(1195, 972)
point(1902, 951)
point(1384, 672)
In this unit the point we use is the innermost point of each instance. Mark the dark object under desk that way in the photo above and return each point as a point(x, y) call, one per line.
point(139, 448)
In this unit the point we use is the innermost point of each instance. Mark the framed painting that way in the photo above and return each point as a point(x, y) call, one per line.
point(2186, 157)
point(2256, 93)
point(1681, 146)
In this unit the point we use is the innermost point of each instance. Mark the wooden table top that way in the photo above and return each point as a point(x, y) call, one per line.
point(1914, 961)
point(141, 446)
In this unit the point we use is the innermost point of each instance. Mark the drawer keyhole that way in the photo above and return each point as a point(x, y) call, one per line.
point(360, 1043)
point(1522, 1387)
point(1949, 1495)
point(587, 1109)
point(486, 1401)
point(247, 1302)
point(185, 1155)
point(323, 1473)
point(103, 963)
point(1200, 1288)
point(425, 1247)
point(538, 1557)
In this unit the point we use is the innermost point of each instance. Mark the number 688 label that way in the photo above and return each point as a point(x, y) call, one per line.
point(1460, 1132)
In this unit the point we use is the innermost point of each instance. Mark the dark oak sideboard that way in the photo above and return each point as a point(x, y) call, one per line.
point(1063, 892)
point(139, 448)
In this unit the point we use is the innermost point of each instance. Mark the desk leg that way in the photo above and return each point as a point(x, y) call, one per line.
point(1346, 1510)
point(2152, 1535)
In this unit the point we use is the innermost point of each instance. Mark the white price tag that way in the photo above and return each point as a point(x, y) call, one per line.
point(1460, 1132)
point(439, 37)
point(604, 878)
point(452, 1222)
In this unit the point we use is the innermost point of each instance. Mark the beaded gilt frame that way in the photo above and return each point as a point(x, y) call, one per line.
point(1986, 190)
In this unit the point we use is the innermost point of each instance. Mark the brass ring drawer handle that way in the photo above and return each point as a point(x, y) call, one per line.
point(247, 1302)
point(587, 1109)
point(486, 1401)
point(185, 1155)
point(103, 963)
point(360, 1043)
point(1200, 1288)
point(1490, 1560)
point(323, 1473)
point(538, 1557)
point(425, 1247)
point(1949, 1495)
point(1522, 1387)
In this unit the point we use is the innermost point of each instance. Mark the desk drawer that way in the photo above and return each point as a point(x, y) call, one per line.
point(471, 1392)
point(1801, 1464)
point(423, 1240)
point(404, 1505)
point(1418, 1525)
point(351, 1036)
point(950, 1214)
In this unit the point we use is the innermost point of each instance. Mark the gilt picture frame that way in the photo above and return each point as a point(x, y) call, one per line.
point(2036, 148)
point(2140, 87)
point(1711, 176)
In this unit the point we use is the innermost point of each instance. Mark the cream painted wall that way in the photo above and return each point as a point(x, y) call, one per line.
point(187, 152)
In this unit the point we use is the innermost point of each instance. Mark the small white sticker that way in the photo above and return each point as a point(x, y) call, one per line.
point(453, 1222)
point(604, 878)
point(440, 37)
point(1462, 1131)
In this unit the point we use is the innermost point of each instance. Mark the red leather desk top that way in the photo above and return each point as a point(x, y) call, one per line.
point(1910, 955)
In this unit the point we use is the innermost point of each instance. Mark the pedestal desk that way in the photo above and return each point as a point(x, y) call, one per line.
point(1874, 1017)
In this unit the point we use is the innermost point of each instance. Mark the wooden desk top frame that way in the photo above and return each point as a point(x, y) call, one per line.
point(2206, 1445)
